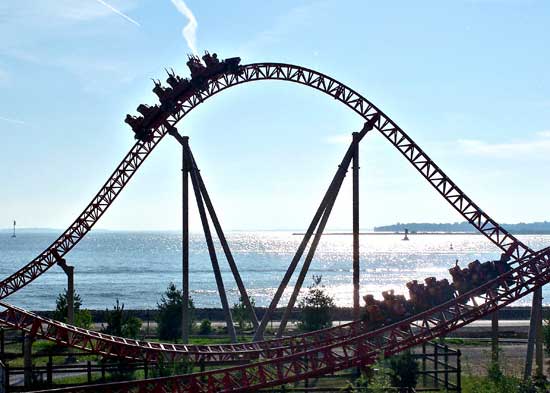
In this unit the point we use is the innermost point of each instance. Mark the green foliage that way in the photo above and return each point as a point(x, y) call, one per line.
point(404, 370)
point(120, 324)
point(166, 368)
point(316, 307)
point(241, 314)
point(205, 327)
point(82, 318)
point(494, 373)
point(169, 316)
point(378, 377)
point(498, 382)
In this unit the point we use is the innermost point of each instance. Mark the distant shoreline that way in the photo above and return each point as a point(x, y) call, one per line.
point(414, 233)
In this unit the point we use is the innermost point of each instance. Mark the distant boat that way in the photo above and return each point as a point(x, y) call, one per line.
point(13, 235)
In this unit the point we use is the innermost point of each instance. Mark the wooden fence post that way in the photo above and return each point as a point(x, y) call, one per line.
point(458, 372)
point(436, 365)
point(424, 364)
point(2, 346)
point(7, 376)
point(49, 371)
point(446, 357)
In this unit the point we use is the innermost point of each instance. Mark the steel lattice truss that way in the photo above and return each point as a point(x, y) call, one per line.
point(290, 359)
point(360, 350)
point(107, 345)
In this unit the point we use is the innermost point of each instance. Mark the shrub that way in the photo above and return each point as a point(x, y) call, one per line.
point(205, 327)
point(241, 314)
point(316, 307)
point(167, 368)
point(82, 318)
point(120, 324)
point(404, 370)
point(169, 316)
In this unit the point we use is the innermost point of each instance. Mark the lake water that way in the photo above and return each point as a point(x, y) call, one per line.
point(136, 267)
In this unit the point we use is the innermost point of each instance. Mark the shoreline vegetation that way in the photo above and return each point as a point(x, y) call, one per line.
point(532, 228)
point(519, 313)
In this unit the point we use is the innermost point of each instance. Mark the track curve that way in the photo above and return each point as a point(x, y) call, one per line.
point(249, 73)
point(360, 350)
point(353, 332)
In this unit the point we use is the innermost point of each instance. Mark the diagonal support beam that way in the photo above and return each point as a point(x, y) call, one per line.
point(195, 174)
point(226, 249)
point(369, 125)
point(309, 258)
point(211, 250)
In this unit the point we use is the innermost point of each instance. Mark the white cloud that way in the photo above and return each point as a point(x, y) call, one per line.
point(537, 146)
point(118, 12)
point(189, 32)
point(50, 12)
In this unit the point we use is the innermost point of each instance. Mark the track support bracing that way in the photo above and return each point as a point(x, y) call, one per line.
point(205, 205)
point(317, 225)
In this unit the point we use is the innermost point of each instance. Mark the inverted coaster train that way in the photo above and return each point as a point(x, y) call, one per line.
point(278, 361)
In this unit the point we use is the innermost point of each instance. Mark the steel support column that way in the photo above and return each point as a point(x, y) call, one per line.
point(69, 272)
point(494, 336)
point(533, 330)
point(185, 243)
point(355, 202)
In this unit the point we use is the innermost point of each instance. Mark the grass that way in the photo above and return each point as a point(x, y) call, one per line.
point(469, 342)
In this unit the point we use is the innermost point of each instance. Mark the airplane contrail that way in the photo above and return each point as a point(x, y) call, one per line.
point(190, 30)
point(119, 12)
point(15, 121)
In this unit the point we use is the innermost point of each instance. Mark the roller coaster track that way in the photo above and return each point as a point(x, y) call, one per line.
point(360, 350)
point(288, 359)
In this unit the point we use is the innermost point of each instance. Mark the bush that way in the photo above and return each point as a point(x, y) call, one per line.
point(82, 318)
point(316, 307)
point(241, 314)
point(167, 368)
point(120, 324)
point(404, 370)
point(169, 316)
point(205, 327)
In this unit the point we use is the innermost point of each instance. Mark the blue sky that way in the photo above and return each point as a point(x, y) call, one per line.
point(468, 80)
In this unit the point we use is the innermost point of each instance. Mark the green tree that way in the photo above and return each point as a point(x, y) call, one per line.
point(82, 318)
point(169, 316)
point(241, 314)
point(120, 324)
point(316, 307)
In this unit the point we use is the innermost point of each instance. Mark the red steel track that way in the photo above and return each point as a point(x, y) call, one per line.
point(289, 359)
point(360, 350)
